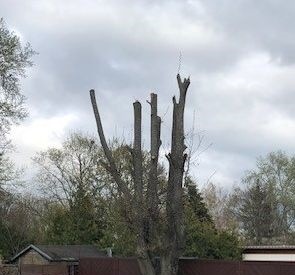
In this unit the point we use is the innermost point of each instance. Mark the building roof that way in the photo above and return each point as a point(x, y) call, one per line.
point(69, 253)
point(269, 249)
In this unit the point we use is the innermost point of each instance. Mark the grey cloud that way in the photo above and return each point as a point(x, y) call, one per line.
point(126, 49)
point(265, 25)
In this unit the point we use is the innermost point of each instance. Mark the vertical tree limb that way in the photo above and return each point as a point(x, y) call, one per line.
point(137, 153)
point(155, 134)
point(174, 203)
point(144, 260)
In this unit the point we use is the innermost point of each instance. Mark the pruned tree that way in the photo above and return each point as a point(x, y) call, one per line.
point(144, 202)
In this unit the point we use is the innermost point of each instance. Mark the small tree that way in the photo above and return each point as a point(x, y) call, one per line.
point(71, 179)
point(143, 205)
point(267, 213)
point(14, 59)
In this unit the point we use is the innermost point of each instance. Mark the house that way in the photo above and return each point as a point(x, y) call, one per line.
point(64, 258)
point(273, 253)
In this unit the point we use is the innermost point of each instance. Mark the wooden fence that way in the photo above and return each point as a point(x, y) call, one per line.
point(121, 266)
point(44, 270)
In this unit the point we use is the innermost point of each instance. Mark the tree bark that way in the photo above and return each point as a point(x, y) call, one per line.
point(111, 166)
point(145, 263)
point(137, 154)
point(152, 191)
point(174, 203)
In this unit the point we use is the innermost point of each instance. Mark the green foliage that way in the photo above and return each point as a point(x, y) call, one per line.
point(267, 208)
point(15, 227)
point(58, 225)
point(80, 225)
point(68, 172)
point(258, 212)
point(196, 202)
point(19, 226)
point(71, 178)
point(203, 240)
point(14, 59)
point(87, 204)
point(117, 234)
point(82, 204)
point(8, 173)
point(262, 210)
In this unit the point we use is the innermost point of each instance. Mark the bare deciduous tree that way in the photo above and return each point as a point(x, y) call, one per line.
point(144, 202)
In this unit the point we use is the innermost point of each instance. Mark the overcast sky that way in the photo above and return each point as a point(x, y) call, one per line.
point(239, 54)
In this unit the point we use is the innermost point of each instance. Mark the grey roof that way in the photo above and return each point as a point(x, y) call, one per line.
point(57, 253)
point(274, 247)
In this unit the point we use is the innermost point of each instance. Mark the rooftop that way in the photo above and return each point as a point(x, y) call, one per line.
point(268, 247)
point(64, 252)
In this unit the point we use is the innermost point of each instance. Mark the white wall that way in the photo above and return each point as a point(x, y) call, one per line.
point(269, 257)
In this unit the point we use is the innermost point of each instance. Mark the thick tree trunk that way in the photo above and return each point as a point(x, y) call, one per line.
point(169, 264)
point(174, 203)
point(146, 267)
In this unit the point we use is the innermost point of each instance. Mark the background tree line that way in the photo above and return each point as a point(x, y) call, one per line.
point(261, 209)
point(79, 204)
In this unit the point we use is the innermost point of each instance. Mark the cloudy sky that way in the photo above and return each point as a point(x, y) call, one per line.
point(239, 54)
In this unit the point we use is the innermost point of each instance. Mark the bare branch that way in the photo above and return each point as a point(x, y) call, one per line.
point(122, 186)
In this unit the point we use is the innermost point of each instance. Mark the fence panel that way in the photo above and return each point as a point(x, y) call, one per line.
point(208, 267)
point(121, 266)
point(44, 270)
point(101, 266)
point(287, 268)
point(261, 268)
point(109, 266)
point(128, 267)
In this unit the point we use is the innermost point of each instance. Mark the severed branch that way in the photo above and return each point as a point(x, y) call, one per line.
point(153, 200)
point(137, 153)
point(142, 250)
point(112, 168)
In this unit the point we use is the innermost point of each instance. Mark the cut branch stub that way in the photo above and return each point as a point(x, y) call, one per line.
point(183, 86)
